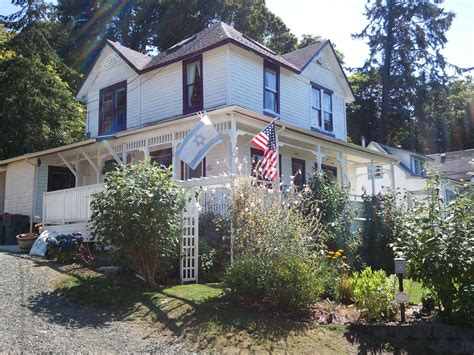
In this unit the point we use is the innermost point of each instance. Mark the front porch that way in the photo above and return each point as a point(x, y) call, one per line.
point(64, 178)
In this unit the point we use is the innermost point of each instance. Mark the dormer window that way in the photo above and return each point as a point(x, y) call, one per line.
point(113, 109)
point(321, 108)
point(271, 89)
point(419, 167)
point(192, 85)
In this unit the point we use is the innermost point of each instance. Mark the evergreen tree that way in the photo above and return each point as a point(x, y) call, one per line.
point(405, 39)
point(37, 108)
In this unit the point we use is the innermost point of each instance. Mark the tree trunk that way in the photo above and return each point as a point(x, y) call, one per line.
point(383, 136)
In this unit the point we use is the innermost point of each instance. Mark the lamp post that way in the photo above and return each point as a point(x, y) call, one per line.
point(401, 297)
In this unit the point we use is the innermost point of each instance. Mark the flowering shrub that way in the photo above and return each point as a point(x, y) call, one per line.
point(266, 223)
point(373, 293)
point(438, 243)
point(63, 248)
point(284, 281)
point(139, 213)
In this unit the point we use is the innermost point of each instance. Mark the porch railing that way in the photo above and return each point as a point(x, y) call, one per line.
point(69, 205)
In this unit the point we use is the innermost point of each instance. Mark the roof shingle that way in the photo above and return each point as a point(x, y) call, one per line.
point(218, 34)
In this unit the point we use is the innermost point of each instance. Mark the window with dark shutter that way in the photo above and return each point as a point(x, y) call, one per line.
point(192, 85)
point(113, 109)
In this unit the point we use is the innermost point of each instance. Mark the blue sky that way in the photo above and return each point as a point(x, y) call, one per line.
point(337, 19)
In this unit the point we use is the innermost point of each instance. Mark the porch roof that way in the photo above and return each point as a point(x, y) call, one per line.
point(48, 151)
point(218, 111)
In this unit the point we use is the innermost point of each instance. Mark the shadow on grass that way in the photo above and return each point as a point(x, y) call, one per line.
point(193, 311)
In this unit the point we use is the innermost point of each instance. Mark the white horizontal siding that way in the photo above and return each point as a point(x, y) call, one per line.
point(162, 93)
point(19, 188)
point(246, 77)
point(294, 99)
point(214, 78)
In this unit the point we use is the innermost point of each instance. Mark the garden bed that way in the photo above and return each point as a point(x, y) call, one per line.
point(201, 318)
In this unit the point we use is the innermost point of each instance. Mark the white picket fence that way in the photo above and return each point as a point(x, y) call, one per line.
point(69, 205)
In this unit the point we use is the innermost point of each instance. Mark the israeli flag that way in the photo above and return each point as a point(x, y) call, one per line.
point(198, 142)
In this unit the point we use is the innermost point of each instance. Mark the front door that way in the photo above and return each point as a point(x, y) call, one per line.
point(60, 178)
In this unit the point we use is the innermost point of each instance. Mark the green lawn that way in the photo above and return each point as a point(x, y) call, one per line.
point(196, 315)
point(414, 290)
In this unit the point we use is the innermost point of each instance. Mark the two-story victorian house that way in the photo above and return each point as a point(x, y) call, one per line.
point(142, 106)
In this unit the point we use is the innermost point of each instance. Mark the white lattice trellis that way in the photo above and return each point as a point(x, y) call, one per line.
point(189, 241)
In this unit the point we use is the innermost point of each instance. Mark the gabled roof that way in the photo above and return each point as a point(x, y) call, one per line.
point(454, 165)
point(396, 151)
point(212, 37)
point(137, 60)
point(303, 56)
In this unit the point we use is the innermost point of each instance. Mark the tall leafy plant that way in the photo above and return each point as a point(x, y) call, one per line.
point(139, 213)
point(438, 243)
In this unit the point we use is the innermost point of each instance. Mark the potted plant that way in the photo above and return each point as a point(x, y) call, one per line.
point(25, 241)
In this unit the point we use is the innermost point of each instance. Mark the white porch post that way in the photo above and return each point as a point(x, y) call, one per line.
point(319, 159)
point(342, 164)
point(77, 166)
point(174, 158)
point(372, 176)
point(392, 173)
point(233, 146)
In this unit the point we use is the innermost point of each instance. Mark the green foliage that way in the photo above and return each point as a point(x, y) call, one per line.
point(214, 245)
point(335, 210)
point(139, 213)
point(381, 227)
point(265, 222)
point(373, 293)
point(284, 281)
point(38, 107)
point(438, 243)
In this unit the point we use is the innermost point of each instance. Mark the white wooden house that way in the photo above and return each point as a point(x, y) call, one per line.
point(411, 174)
point(141, 106)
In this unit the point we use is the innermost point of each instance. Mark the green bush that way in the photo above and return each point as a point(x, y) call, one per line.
point(336, 214)
point(380, 229)
point(438, 243)
point(285, 281)
point(373, 293)
point(139, 213)
point(214, 246)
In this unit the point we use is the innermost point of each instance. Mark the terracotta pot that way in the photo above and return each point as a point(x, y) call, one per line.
point(25, 241)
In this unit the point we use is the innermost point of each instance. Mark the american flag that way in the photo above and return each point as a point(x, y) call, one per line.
point(266, 141)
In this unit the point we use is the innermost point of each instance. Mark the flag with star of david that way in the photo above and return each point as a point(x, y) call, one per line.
point(198, 142)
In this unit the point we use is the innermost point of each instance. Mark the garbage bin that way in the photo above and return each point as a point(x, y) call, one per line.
point(14, 224)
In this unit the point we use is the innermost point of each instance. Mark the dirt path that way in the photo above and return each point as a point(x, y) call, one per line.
point(32, 319)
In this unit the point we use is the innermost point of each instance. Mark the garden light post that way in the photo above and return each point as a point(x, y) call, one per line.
point(401, 297)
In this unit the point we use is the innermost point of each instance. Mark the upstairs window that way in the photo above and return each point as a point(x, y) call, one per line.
point(113, 109)
point(321, 108)
point(271, 88)
point(419, 167)
point(315, 107)
point(192, 85)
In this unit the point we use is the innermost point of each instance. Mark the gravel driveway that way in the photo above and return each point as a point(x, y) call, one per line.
point(32, 319)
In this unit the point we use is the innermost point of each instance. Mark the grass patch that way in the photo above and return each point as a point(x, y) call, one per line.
point(197, 315)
